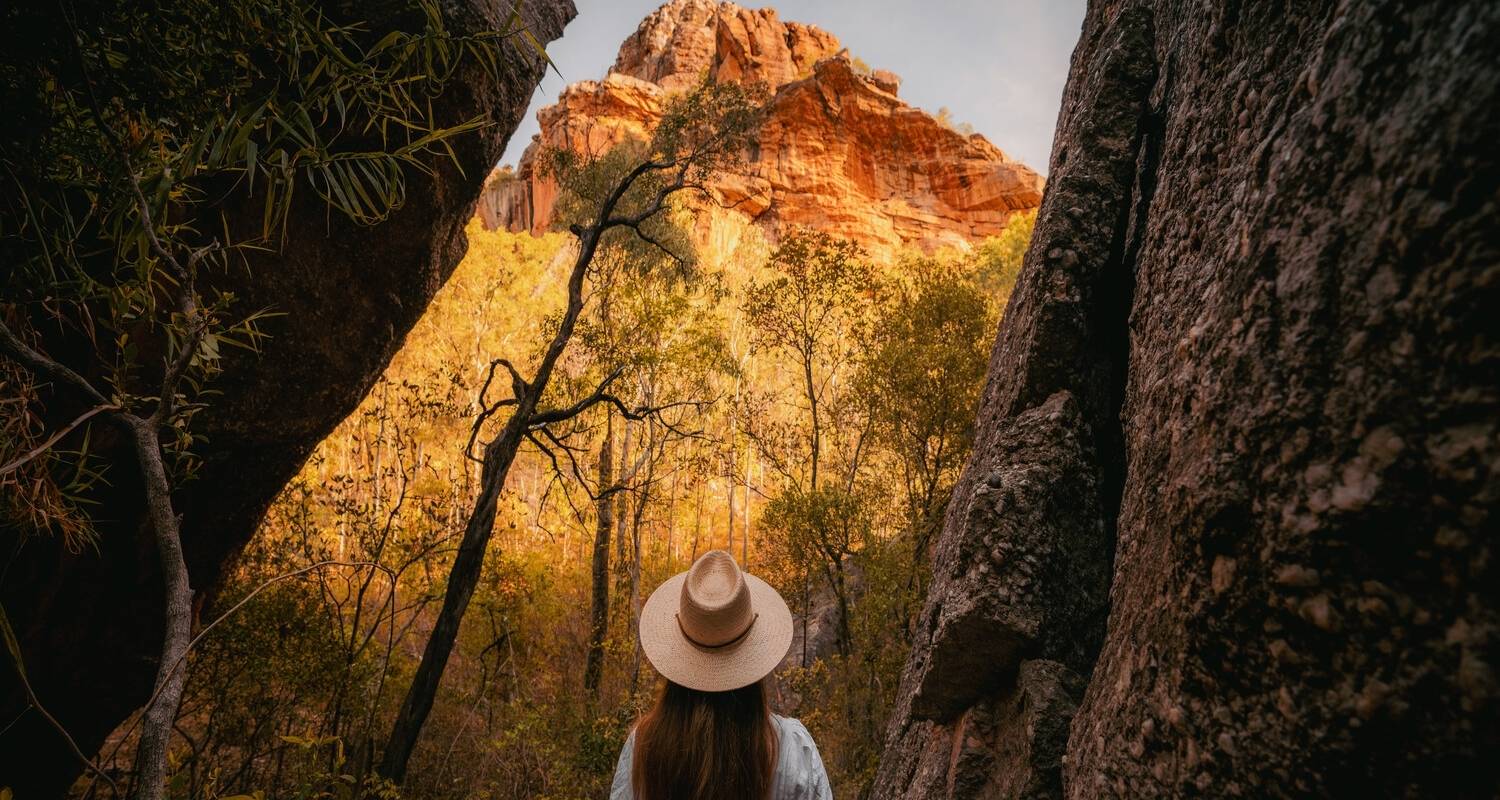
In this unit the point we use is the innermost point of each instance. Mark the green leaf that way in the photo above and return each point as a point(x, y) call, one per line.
point(541, 51)
point(250, 165)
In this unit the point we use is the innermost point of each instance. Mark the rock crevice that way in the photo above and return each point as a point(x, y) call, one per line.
point(1258, 272)
point(1039, 496)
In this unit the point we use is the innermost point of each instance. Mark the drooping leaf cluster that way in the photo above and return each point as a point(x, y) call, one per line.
point(142, 132)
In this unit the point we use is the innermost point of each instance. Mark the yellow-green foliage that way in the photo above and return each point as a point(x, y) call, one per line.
point(295, 691)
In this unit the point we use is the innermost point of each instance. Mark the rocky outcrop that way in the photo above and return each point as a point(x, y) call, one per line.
point(89, 623)
point(839, 152)
point(679, 42)
point(815, 631)
point(1246, 384)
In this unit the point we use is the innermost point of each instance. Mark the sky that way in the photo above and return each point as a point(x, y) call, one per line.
point(998, 65)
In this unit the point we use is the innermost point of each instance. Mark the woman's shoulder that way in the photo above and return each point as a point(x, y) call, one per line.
point(800, 773)
point(790, 727)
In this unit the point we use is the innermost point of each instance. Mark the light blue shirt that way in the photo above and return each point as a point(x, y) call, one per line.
point(799, 768)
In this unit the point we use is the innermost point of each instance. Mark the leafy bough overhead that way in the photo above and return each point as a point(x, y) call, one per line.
point(189, 105)
point(131, 137)
point(342, 112)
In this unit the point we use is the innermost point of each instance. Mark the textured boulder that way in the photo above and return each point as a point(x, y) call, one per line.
point(1261, 269)
point(1032, 581)
point(89, 623)
point(677, 43)
point(839, 152)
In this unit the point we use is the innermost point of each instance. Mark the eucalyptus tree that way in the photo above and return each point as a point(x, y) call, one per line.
point(127, 140)
point(620, 199)
point(809, 310)
point(918, 376)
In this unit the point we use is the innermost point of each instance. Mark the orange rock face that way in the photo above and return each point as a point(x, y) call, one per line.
point(839, 152)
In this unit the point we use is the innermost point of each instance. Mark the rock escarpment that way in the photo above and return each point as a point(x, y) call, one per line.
point(1228, 523)
point(840, 151)
point(89, 624)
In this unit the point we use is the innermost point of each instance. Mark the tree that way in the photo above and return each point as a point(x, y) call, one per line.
point(819, 529)
point(997, 260)
point(618, 199)
point(809, 310)
point(919, 375)
point(128, 143)
point(599, 565)
point(654, 328)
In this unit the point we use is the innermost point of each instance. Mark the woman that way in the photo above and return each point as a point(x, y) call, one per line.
point(715, 633)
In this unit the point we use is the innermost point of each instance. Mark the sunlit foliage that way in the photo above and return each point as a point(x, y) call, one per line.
point(899, 385)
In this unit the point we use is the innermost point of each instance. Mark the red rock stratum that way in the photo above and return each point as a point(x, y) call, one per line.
point(839, 152)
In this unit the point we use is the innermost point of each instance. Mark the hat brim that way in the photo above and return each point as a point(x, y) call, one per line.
point(715, 669)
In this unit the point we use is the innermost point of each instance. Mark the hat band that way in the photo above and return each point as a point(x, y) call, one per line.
point(742, 634)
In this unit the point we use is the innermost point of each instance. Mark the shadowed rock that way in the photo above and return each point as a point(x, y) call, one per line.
point(89, 624)
point(1262, 268)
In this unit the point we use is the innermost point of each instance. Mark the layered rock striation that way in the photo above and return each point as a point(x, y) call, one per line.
point(1228, 525)
point(840, 151)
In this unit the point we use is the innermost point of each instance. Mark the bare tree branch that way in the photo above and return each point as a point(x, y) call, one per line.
point(35, 702)
point(555, 415)
point(45, 367)
point(519, 387)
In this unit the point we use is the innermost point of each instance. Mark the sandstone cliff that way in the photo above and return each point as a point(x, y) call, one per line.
point(840, 151)
point(1227, 528)
point(89, 623)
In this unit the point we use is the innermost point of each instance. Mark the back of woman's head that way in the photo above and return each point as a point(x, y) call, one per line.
point(694, 745)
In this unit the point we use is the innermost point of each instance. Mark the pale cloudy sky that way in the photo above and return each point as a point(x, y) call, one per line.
point(997, 64)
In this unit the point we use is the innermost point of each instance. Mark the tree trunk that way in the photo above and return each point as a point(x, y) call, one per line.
point(621, 499)
point(468, 563)
point(697, 520)
point(635, 576)
point(462, 580)
point(745, 529)
point(599, 569)
point(816, 444)
point(806, 609)
point(671, 548)
point(729, 488)
point(171, 669)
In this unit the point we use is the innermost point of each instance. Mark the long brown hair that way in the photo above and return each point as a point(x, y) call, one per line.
point(696, 744)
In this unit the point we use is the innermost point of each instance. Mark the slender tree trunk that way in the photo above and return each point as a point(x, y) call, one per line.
point(599, 607)
point(635, 581)
point(622, 499)
point(745, 535)
point(806, 603)
point(836, 583)
point(729, 485)
point(468, 562)
point(697, 520)
point(462, 580)
point(816, 445)
point(171, 671)
point(672, 522)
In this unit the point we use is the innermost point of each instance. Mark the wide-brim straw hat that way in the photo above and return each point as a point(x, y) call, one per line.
point(715, 627)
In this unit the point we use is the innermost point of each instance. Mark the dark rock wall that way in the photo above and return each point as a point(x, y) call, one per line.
point(89, 624)
point(1250, 367)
